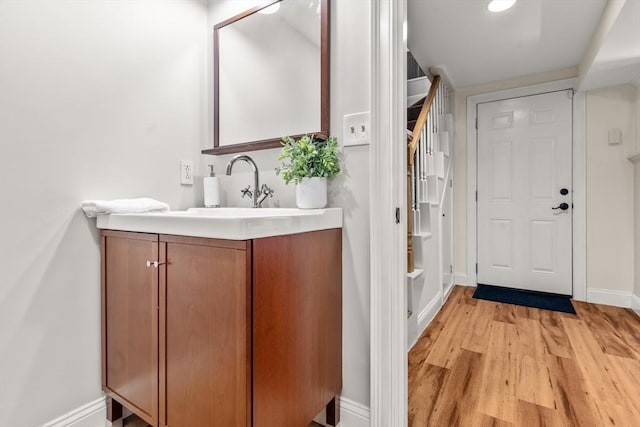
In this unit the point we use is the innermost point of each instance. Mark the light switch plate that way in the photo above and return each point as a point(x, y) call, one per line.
point(355, 129)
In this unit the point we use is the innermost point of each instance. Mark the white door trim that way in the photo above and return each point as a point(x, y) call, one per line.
point(388, 255)
point(579, 177)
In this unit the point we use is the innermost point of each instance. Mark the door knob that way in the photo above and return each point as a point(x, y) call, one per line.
point(563, 206)
point(154, 264)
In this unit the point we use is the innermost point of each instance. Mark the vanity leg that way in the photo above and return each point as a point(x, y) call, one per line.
point(333, 411)
point(114, 409)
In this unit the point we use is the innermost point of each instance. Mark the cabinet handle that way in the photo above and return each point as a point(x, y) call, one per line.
point(155, 264)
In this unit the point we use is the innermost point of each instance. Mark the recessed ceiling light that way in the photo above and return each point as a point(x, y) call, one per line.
point(276, 7)
point(500, 5)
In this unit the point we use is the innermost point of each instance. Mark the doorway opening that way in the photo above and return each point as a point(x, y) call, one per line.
point(524, 192)
point(492, 216)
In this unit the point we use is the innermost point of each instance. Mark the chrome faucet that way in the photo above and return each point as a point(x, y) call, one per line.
point(257, 191)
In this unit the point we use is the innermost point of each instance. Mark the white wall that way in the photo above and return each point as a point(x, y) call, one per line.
point(350, 93)
point(636, 172)
point(633, 151)
point(460, 153)
point(99, 99)
point(590, 57)
point(610, 222)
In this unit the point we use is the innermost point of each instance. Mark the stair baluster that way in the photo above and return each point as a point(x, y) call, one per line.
point(417, 154)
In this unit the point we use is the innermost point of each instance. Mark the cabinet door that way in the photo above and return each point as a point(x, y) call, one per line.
point(297, 326)
point(130, 321)
point(204, 356)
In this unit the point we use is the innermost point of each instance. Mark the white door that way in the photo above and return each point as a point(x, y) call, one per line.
point(524, 193)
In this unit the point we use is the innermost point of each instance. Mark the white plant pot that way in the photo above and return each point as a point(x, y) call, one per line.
point(311, 193)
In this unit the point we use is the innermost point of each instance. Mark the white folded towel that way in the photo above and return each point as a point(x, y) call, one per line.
point(93, 208)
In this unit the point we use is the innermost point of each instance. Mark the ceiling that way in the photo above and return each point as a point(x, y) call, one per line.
point(476, 46)
point(618, 59)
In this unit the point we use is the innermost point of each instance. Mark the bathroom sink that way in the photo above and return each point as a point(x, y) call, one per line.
point(251, 212)
point(226, 223)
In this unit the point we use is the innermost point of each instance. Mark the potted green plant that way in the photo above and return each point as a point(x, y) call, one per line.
point(308, 162)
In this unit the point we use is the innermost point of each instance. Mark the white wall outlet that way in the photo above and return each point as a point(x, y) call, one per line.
point(186, 172)
point(355, 130)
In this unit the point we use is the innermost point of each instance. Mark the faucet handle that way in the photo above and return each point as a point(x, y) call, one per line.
point(246, 192)
point(266, 190)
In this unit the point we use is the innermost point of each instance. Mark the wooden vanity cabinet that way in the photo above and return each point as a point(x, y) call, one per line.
point(222, 332)
point(176, 336)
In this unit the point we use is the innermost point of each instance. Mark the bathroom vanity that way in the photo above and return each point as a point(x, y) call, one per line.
point(222, 317)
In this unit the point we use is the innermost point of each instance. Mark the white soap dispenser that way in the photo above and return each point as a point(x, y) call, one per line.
point(211, 190)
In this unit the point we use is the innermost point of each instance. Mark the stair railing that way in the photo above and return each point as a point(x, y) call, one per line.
point(427, 147)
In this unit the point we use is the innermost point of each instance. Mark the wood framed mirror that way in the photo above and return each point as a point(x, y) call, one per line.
point(270, 75)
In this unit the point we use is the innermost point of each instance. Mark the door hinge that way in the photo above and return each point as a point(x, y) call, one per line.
point(450, 269)
point(476, 123)
point(476, 268)
point(476, 195)
point(451, 183)
point(397, 215)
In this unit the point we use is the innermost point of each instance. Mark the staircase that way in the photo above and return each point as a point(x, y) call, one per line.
point(413, 111)
point(430, 127)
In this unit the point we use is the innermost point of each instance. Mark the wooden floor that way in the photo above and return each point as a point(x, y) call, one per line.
point(481, 363)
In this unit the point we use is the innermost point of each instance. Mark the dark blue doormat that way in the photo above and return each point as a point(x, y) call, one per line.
point(527, 298)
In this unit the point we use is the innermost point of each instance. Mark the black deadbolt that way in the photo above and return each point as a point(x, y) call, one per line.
point(564, 191)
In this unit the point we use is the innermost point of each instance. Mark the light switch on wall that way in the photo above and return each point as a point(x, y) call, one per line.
point(355, 129)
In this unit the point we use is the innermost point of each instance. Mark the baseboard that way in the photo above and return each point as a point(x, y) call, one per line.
point(93, 414)
point(353, 414)
point(447, 292)
point(635, 303)
point(429, 312)
point(461, 279)
point(607, 297)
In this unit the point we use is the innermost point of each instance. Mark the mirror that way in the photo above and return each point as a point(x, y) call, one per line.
point(271, 75)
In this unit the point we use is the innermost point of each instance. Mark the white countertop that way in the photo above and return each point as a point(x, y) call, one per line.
point(226, 223)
